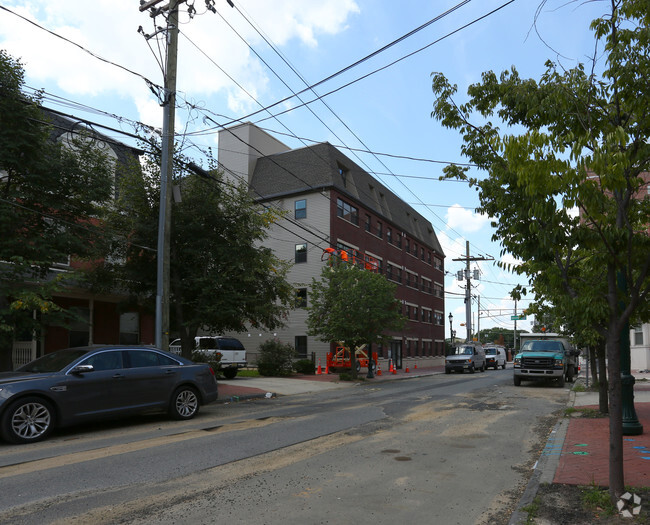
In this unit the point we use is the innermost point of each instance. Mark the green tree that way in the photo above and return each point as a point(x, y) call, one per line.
point(222, 277)
point(353, 306)
point(51, 198)
point(583, 145)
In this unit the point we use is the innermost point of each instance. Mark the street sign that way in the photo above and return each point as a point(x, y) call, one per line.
point(517, 317)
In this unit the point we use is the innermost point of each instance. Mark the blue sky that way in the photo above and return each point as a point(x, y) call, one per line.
point(388, 112)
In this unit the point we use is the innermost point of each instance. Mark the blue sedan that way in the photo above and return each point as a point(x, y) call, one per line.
point(82, 384)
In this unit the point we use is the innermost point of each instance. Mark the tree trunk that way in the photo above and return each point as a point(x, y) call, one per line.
point(593, 364)
point(616, 474)
point(353, 362)
point(603, 384)
point(186, 333)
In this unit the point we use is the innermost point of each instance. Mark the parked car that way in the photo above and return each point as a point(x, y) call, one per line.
point(470, 357)
point(495, 357)
point(231, 352)
point(82, 384)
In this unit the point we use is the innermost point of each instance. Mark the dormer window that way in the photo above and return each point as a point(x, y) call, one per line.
point(343, 172)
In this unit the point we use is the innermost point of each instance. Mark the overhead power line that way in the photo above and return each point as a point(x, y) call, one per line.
point(152, 85)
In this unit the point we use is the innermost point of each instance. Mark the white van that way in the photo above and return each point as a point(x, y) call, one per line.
point(495, 357)
point(468, 356)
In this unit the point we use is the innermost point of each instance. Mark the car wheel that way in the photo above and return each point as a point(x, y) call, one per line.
point(560, 381)
point(471, 369)
point(569, 375)
point(230, 373)
point(184, 403)
point(28, 420)
point(517, 380)
point(504, 366)
point(358, 366)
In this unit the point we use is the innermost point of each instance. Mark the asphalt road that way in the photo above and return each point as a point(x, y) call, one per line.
point(439, 449)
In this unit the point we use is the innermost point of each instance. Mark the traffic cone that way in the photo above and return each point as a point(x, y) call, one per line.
point(390, 366)
point(394, 370)
point(416, 366)
point(407, 369)
point(327, 368)
point(378, 369)
point(320, 370)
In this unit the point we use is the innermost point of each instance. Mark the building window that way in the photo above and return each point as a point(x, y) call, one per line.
point(368, 226)
point(398, 242)
point(300, 344)
point(422, 254)
point(301, 297)
point(300, 209)
point(389, 272)
point(380, 232)
point(407, 311)
point(407, 245)
point(389, 235)
point(415, 249)
point(301, 253)
point(429, 257)
point(129, 328)
point(399, 275)
point(638, 336)
point(347, 211)
point(343, 172)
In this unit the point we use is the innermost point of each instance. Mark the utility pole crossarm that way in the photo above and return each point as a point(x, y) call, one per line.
point(468, 290)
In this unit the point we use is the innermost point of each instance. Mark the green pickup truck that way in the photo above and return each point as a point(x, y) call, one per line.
point(546, 357)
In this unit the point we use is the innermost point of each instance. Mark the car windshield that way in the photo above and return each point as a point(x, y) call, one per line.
point(543, 346)
point(463, 350)
point(53, 362)
point(491, 351)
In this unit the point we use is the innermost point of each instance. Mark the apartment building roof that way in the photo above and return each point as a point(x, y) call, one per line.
point(322, 166)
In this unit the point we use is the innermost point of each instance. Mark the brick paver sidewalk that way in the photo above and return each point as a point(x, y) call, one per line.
point(585, 455)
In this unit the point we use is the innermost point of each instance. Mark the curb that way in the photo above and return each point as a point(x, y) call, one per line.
point(245, 397)
point(544, 469)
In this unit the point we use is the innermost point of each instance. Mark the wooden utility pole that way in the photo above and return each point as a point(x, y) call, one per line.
point(468, 289)
point(166, 170)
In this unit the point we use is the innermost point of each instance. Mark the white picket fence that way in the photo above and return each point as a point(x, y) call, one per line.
point(23, 352)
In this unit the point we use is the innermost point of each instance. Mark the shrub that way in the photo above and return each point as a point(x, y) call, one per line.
point(211, 358)
point(305, 366)
point(275, 358)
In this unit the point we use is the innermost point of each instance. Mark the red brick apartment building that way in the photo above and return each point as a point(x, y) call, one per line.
point(333, 203)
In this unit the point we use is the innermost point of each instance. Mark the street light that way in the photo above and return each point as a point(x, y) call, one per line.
point(451, 330)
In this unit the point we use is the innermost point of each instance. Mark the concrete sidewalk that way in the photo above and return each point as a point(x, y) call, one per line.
point(242, 388)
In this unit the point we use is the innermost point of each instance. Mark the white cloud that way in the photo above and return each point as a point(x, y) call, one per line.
point(459, 218)
point(110, 30)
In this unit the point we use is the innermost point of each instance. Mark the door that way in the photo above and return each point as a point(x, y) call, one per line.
point(90, 394)
point(396, 352)
point(149, 378)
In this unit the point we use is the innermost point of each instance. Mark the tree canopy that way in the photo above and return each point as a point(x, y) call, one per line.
point(353, 306)
point(222, 277)
point(564, 181)
point(51, 197)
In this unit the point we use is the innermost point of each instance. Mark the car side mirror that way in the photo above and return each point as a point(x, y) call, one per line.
point(82, 369)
